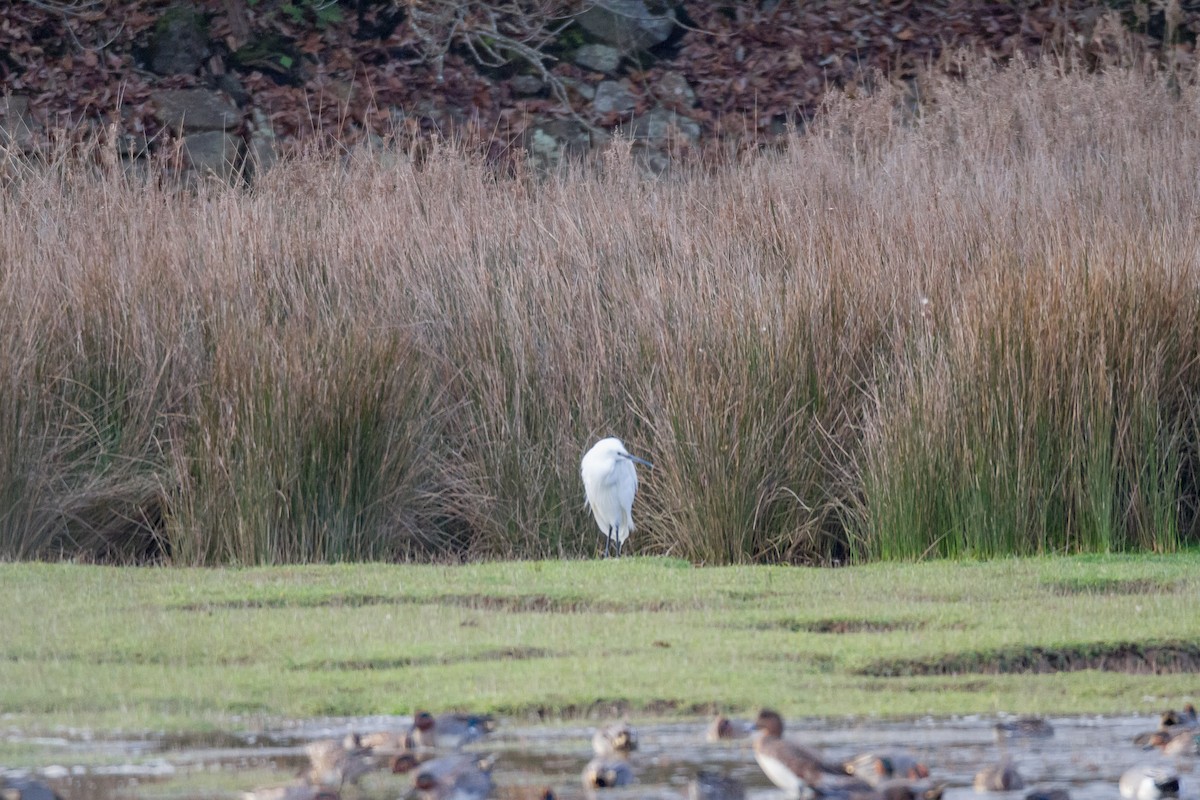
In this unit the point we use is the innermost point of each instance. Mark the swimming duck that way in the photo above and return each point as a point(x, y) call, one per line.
point(525, 793)
point(875, 768)
point(724, 728)
point(25, 789)
point(402, 763)
point(789, 766)
point(1024, 728)
point(1002, 777)
point(1179, 719)
point(1048, 794)
point(1183, 742)
point(614, 739)
point(607, 772)
point(465, 728)
point(336, 762)
point(423, 732)
point(1148, 783)
point(428, 731)
point(300, 790)
point(706, 785)
point(906, 790)
point(888, 790)
point(388, 743)
point(456, 777)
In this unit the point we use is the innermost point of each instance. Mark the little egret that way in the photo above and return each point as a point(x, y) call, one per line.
point(610, 482)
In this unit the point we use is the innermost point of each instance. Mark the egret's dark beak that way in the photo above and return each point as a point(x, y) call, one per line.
point(641, 461)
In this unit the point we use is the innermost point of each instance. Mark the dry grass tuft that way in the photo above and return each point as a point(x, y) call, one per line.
point(970, 333)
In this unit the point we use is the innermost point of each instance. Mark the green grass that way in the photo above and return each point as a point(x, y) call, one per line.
point(133, 649)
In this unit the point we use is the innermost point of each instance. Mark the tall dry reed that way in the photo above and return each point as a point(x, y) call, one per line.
point(968, 333)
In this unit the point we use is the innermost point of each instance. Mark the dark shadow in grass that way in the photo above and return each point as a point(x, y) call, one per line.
point(540, 603)
point(838, 625)
point(1115, 586)
point(1128, 657)
point(344, 600)
point(371, 664)
point(531, 603)
point(124, 658)
point(812, 662)
point(926, 687)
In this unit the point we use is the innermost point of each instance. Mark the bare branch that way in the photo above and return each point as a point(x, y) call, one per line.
point(66, 7)
point(495, 34)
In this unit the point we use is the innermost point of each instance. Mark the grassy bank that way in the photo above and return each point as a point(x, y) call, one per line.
point(137, 649)
point(972, 332)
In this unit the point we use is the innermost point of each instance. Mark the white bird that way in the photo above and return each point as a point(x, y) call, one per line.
point(610, 482)
point(1149, 783)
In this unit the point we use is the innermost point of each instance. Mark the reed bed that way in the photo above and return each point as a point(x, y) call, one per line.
point(970, 333)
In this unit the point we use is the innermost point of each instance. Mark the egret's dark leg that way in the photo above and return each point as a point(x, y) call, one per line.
point(607, 540)
point(619, 542)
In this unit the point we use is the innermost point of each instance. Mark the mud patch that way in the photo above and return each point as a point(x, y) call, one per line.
point(542, 604)
point(926, 687)
point(839, 625)
point(1127, 657)
point(528, 603)
point(1115, 586)
point(350, 600)
point(810, 661)
point(372, 664)
point(121, 659)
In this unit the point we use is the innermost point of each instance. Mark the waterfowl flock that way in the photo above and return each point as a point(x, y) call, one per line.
point(429, 759)
point(1178, 734)
point(430, 753)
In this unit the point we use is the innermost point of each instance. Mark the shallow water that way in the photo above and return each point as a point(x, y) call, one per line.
point(1086, 755)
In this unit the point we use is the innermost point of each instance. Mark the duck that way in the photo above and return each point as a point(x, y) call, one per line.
point(403, 763)
point(887, 790)
point(708, 785)
point(724, 728)
point(1002, 777)
point(334, 762)
point(1186, 718)
point(12, 788)
point(464, 727)
point(525, 793)
point(299, 790)
point(1145, 782)
point(1024, 728)
point(613, 739)
point(455, 777)
point(790, 766)
point(607, 772)
point(1048, 794)
point(898, 789)
point(428, 732)
point(423, 732)
point(388, 743)
point(875, 768)
point(1184, 742)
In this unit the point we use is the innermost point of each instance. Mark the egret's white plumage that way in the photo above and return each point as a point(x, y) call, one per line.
point(610, 482)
